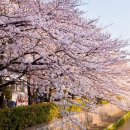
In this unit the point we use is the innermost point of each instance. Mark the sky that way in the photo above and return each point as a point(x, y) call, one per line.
point(115, 13)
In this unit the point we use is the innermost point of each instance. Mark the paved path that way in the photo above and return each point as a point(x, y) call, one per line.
point(109, 114)
point(126, 126)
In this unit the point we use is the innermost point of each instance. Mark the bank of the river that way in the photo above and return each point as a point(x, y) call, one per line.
point(97, 119)
point(122, 124)
point(126, 126)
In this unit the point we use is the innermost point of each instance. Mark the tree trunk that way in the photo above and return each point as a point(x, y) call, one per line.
point(1, 95)
point(29, 91)
point(3, 101)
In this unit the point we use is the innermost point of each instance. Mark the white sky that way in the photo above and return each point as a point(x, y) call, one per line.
point(115, 12)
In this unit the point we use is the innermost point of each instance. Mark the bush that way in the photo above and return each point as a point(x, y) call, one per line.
point(27, 116)
point(78, 105)
point(104, 102)
point(74, 108)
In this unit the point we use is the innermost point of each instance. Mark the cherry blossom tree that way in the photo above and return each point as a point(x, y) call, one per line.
point(52, 45)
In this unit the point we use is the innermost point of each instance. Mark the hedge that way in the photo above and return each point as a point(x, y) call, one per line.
point(27, 116)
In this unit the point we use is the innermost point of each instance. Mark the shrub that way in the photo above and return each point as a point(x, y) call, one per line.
point(27, 116)
point(78, 105)
point(74, 108)
point(104, 102)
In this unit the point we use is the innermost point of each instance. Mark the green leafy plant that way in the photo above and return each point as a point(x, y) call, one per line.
point(74, 108)
point(27, 116)
point(104, 102)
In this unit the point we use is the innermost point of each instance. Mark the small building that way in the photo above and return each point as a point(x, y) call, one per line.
point(18, 92)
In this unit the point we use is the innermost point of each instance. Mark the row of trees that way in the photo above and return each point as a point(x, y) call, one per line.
point(55, 47)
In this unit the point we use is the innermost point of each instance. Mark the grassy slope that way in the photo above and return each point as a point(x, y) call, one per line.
point(119, 123)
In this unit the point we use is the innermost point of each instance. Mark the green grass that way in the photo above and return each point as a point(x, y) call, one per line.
point(119, 123)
